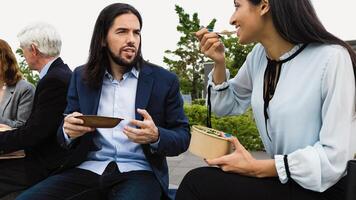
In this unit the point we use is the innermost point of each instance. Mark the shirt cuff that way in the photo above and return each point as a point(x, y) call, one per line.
point(221, 86)
point(281, 170)
point(154, 146)
point(66, 137)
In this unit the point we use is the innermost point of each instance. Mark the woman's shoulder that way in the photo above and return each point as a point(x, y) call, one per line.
point(257, 50)
point(328, 50)
point(256, 58)
point(330, 57)
point(257, 54)
point(24, 85)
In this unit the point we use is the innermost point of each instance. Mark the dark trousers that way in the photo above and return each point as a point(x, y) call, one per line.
point(75, 184)
point(12, 176)
point(212, 183)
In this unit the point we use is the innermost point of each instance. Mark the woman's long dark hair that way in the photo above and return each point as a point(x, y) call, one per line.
point(98, 59)
point(297, 22)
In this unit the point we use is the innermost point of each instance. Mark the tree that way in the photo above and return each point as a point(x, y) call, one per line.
point(28, 74)
point(235, 53)
point(187, 61)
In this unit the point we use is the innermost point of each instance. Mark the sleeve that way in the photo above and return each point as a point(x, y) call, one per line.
point(174, 137)
point(72, 106)
point(154, 146)
point(320, 166)
point(66, 137)
point(44, 120)
point(232, 97)
point(23, 108)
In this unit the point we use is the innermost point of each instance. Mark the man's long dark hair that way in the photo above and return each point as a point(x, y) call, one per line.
point(297, 22)
point(98, 60)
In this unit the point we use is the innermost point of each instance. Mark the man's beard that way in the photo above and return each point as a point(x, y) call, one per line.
point(121, 62)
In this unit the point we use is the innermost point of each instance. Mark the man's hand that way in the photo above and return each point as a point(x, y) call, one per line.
point(73, 126)
point(147, 131)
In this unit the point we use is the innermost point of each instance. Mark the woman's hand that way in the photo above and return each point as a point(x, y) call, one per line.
point(242, 162)
point(211, 45)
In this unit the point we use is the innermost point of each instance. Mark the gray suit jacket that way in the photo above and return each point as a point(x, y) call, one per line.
point(16, 104)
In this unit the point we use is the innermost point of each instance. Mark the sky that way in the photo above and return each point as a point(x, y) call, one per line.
point(75, 19)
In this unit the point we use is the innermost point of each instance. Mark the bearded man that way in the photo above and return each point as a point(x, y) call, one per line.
point(127, 161)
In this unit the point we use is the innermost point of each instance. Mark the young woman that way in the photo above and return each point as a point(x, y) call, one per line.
point(300, 81)
point(16, 94)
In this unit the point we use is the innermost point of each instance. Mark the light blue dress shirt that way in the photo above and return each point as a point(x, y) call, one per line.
point(117, 100)
point(44, 70)
point(311, 115)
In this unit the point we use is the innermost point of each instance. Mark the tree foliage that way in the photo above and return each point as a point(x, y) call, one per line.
point(235, 53)
point(187, 61)
point(28, 74)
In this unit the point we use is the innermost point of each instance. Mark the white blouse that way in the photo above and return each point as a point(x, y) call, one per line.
point(311, 115)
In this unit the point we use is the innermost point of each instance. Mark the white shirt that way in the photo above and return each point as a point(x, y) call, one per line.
point(311, 115)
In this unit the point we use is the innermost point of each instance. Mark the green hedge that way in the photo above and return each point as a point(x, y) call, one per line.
point(242, 126)
point(199, 102)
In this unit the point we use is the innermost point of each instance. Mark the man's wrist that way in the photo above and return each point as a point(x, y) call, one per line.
point(157, 136)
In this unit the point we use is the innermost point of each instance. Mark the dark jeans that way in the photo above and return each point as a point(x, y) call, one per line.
point(12, 176)
point(212, 183)
point(75, 184)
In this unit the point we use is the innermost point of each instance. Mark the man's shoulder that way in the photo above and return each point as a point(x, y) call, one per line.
point(58, 72)
point(59, 67)
point(78, 73)
point(80, 68)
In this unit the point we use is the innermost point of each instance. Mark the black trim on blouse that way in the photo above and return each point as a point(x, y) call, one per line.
point(271, 77)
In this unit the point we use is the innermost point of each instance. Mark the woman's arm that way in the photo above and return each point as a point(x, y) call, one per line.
point(319, 166)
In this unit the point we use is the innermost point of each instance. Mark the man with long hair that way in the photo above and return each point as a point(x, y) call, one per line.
point(127, 161)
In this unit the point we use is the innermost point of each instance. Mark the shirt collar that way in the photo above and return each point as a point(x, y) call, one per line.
point(291, 52)
point(134, 73)
point(44, 70)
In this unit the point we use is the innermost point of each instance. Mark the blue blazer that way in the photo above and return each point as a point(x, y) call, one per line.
point(158, 93)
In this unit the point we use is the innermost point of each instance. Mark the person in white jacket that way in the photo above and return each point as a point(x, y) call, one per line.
point(300, 81)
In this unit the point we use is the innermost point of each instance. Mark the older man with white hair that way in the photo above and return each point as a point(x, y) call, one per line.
point(41, 45)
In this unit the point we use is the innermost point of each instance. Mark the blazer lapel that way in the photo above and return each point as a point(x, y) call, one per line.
point(95, 97)
point(7, 97)
point(144, 88)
